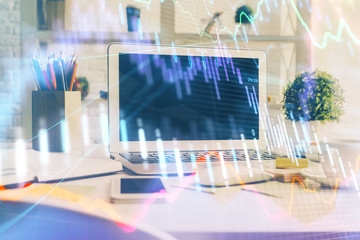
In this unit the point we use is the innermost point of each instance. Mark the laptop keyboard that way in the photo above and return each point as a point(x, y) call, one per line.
point(193, 156)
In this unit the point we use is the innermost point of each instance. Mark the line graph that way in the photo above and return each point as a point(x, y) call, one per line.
point(342, 26)
point(312, 190)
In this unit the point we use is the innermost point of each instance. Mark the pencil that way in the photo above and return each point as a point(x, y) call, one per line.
point(52, 73)
point(60, 85)
point(73, 77)
point(49, 77)
point(39, 75)
point(46, 80)
point(62, 76)
point(65, 69)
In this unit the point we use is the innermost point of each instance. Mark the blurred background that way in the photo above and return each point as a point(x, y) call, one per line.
point(298, 35)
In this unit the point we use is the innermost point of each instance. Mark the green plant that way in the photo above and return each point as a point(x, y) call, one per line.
point(313, 96)
point(82, 84)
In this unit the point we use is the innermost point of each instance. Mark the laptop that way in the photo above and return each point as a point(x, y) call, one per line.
point(170, 106)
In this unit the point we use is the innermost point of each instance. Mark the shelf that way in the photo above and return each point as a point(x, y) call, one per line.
point(91, 37)
point(108, 37)
point(263, 38)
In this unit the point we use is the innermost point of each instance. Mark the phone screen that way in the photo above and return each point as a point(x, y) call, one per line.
point(141, 185)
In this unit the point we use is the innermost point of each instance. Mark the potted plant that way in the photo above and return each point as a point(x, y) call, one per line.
point(315, 97)
point(82, 84)
point(246, 17)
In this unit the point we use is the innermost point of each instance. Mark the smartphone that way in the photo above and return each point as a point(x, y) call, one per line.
point(133, 189)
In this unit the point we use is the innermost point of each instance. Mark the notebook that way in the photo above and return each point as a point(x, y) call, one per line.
point(23, 166)
point(170, 106)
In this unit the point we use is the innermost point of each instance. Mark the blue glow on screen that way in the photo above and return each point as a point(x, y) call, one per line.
point(190, 98)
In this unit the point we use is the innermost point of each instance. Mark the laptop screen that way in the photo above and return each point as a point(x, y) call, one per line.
point(188, 98)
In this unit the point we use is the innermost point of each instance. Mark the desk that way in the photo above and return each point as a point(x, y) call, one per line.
point(199, 215)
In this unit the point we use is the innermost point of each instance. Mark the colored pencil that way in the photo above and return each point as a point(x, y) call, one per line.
point(46, 79)
point(73, 77)
point(57, 75)
point(52, 72)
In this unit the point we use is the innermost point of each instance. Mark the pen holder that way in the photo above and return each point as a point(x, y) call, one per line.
point(56, 120)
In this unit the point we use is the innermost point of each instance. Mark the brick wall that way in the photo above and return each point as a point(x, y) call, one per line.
point(10, 51)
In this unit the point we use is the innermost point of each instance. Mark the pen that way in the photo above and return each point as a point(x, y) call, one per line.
point(262, 193)
point(196, 190)
point(20, 184)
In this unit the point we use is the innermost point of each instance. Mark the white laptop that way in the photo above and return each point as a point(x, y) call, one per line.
point(170, 106)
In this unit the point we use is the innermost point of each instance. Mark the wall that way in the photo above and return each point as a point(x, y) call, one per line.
point(340, 58)
point(92, 61)
point(92, 57)
point(10, 93)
